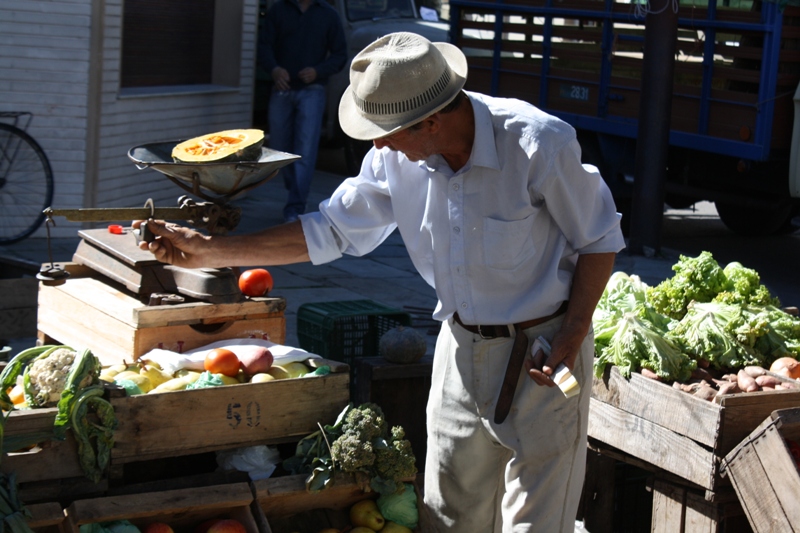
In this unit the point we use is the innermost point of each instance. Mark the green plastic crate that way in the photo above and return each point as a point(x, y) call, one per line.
point(345, 330)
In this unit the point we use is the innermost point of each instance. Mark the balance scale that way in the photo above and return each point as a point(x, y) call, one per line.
point(117, 256)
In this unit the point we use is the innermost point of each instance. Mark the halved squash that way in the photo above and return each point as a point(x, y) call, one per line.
point(223, 146)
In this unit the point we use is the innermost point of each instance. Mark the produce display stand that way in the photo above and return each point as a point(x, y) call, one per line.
point(92, 311)
point(679, 437)
point(47, 518)
point(170, 424)
point(765, 474)
point(287, 506)
point(402, 392)
point(50, 470)
point(183, 509)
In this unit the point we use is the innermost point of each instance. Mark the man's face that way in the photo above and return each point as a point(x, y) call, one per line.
point(415, 143)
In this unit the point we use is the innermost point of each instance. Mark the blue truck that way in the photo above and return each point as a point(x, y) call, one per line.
point(732, 137)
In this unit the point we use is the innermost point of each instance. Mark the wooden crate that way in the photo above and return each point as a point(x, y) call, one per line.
point(187, 422)
point(402, 392)
point(679, 509)
point(182, 509)
point(18, 307)
point(50, 471)
point(91, 311)
point(765, 475)
point(46, 518)
point(288, 507)
point(673, 430)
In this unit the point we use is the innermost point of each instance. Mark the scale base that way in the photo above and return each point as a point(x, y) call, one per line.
point(118, 257)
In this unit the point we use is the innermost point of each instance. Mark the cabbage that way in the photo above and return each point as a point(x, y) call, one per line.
point(744, 287)
point(400, 507)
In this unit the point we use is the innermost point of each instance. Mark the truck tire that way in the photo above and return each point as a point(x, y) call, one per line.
point(757, 221)
point(354, 152)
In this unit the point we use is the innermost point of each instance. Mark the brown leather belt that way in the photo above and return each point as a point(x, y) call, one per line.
point(515, 360)
point(492, 332)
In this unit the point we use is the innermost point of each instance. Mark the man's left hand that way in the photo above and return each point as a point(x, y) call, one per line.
point(307, 75)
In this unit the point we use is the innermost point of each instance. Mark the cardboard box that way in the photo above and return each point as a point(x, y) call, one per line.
point(765, 474)
point(181, 509)
point(673, 430)
point(91, 311)
point(288, 507)
point(187, 422)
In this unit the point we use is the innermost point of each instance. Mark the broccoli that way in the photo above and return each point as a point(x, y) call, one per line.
point(359, 443)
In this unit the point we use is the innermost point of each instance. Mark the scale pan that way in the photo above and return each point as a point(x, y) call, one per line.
point(226, 179)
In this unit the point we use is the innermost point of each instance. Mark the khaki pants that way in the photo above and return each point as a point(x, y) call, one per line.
point(524, 475)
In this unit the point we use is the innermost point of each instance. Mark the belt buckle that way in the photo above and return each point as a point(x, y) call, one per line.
point(485, 337)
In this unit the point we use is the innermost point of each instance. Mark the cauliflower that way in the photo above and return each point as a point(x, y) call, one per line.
point(46, 377)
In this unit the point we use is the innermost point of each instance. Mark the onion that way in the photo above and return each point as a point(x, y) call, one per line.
point(787, 367)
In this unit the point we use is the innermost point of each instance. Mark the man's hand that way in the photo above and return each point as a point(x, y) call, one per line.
point(307, 75)
point(540, 367)
point(175, 244)
point(281, 78)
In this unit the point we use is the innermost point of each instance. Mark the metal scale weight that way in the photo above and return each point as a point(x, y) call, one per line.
point(117, 255)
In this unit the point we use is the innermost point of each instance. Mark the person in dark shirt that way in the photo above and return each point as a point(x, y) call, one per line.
point(301, 46)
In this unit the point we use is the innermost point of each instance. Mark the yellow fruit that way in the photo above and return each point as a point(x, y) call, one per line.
point(172, 385)
point(228, 380)
point(141, 381)
point(190, 375)
point(366, 514)
point(394, 527)
point(17, 395)
point(262, 378)
point(155, 375)
point(288, 371)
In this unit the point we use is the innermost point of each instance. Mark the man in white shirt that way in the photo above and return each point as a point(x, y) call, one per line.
point(517, 237)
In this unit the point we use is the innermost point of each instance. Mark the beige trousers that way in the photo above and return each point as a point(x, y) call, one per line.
point(522, 476)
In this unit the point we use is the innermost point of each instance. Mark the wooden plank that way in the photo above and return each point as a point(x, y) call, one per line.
point(642, 438)
point(182, 509)
point(742, 413)
point(194, 421)
point(287, 496)
point(52, 459)
point(45, 514)
point(669, 507)
point(660, 404)
point(597, 500)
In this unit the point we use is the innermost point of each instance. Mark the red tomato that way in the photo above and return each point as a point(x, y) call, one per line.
point(222, 361)
point(255, 282)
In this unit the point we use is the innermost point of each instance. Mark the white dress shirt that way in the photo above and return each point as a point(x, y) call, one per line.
point(498, 239)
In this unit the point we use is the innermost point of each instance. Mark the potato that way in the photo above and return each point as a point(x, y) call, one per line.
point(746, 382)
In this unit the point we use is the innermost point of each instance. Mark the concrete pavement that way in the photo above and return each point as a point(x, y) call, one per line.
point(386, 275)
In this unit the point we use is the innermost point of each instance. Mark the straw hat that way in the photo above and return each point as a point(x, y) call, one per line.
point(397, 81)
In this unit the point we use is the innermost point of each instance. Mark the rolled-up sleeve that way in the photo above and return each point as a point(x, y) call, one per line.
point(355, 220)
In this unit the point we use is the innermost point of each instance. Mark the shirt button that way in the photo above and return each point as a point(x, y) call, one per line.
point(463, 305)
point(457, 229)
point(456, 186)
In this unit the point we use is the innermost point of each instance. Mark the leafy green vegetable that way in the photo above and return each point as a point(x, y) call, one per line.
point(13, 513)
point(636, 344)
point(697, 279)
point(743, 287)
point(400, 507)
point(707, 331)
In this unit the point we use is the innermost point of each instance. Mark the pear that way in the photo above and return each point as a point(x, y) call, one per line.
point(366, 514)
point(262, 378)
point(154, 374)
point(172, 385)
point(288, 370)
point(394, 527)
point(228, 380)
point(141, 381)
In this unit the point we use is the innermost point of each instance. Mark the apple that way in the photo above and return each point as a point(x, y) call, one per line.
point(157, 527)
point(255, 360)
point(366, 514)
point(228, 525)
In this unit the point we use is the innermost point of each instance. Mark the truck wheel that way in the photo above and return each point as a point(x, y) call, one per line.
point(756, 221)
point(354, 152)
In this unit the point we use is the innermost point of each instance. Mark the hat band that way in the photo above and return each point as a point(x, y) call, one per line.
point(404, 106)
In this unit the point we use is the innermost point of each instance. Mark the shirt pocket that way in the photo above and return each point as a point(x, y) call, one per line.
point(508, 243)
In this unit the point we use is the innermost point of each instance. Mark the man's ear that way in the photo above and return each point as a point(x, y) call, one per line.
point(433, 123)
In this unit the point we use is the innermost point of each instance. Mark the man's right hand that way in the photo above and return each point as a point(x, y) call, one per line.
point(281, 78)
point(176, 245)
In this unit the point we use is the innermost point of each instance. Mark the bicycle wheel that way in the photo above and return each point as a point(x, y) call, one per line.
point(26, 184)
